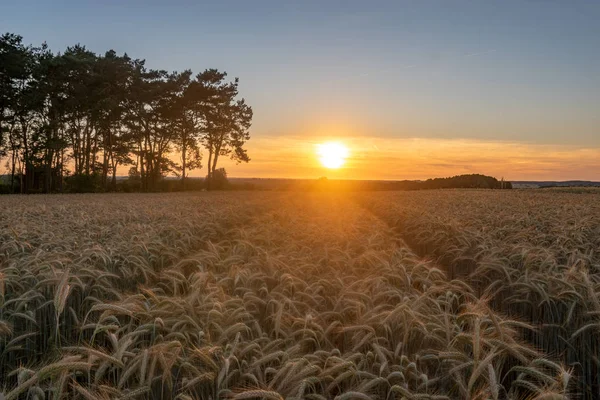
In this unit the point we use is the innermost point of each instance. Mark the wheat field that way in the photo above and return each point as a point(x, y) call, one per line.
point(232, 295)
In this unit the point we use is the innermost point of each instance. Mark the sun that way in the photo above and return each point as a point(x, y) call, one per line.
point(332, 154)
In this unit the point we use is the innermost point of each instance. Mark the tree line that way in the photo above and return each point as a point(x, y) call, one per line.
point(467, 181)
point(77, 116)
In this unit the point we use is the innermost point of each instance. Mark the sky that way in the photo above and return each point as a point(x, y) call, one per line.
point(414, 89)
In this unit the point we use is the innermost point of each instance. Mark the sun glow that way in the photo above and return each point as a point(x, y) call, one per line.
point(332, 154)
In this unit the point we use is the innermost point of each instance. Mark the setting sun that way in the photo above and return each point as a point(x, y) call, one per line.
point(332, 154)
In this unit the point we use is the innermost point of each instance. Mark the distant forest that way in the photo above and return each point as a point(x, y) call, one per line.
point(69, 121)
point(473, 181)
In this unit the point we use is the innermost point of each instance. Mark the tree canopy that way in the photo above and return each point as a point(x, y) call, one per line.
point(78, 116)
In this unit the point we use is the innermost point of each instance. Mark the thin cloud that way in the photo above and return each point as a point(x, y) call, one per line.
point(480, 53)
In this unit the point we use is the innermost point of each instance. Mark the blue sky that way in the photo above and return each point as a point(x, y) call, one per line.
point(523, 72)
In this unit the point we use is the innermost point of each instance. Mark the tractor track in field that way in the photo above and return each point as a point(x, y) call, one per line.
point(403, 241)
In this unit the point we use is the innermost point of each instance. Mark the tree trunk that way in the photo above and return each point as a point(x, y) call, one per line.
point(61, 163)
point(26, 186)
point(214, 166)
point(142, 170)
point(104, 170)
point(12, 171)
point(22, 184)
point(183, 158)
point(114, 176)
point(209, 175)
point(48, 171)
point(50, 155)
point(88, 149)
point(106, 155)
point(92, 160)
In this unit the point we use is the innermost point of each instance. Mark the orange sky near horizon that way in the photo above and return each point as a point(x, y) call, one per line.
point(376, 158)
point(415, 158)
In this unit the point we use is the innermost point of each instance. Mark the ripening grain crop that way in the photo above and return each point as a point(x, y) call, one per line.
point(415, 295)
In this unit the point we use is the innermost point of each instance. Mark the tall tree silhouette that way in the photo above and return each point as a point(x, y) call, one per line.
point(81, 106)
point(186, 123)
point(226, 120)
point(15, 69)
